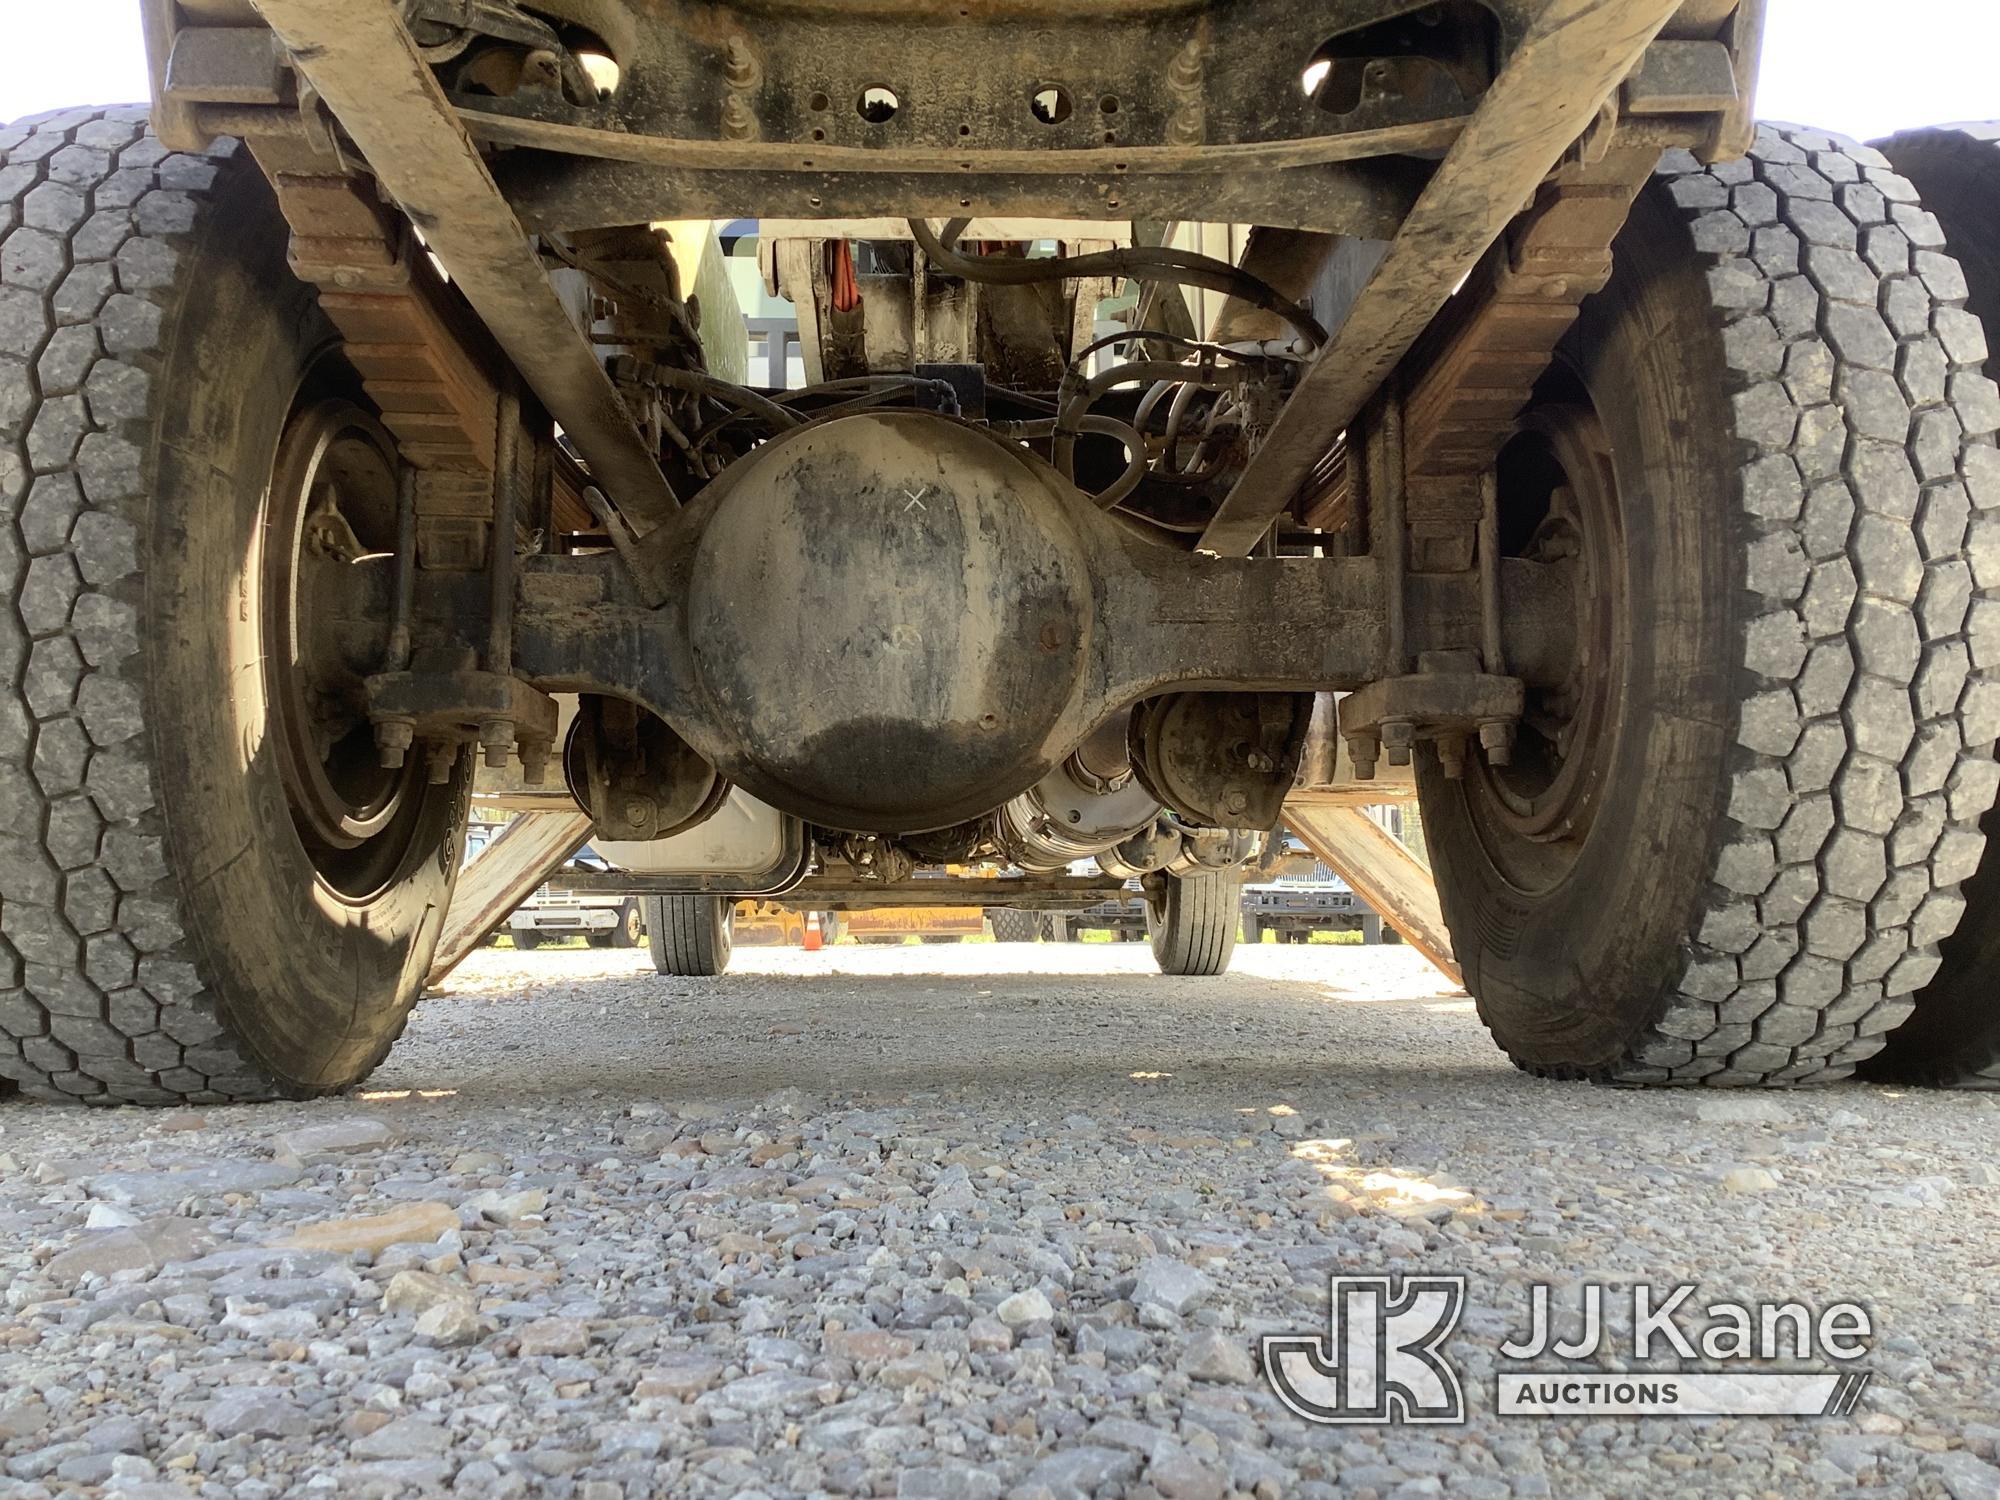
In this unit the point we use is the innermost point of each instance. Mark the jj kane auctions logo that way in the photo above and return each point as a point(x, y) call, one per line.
point(1382, 1359)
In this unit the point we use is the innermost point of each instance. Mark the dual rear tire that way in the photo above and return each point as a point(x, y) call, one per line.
point(1953, 1039)
point(1727, 850)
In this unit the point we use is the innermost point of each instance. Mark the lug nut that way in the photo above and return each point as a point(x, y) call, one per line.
point(443, 757)
point(1451, 752)
point(393, 738)
point(534, 761)
point(496, 738)
point(1362, 750)
point(1496, 738)
point(1398, 736)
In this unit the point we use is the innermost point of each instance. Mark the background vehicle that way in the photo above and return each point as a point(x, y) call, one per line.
point(1293, 908)
point(1010, 926)
point(928, 924)
point(1120, 912)
point(939, 905)
point(1294, 893)
point(1628, 469)
point(1296, 896)
point(557, 911)
point(1123, 916)
point(758, 924)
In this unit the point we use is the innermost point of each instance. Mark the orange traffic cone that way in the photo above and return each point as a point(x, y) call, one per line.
point(814, 939)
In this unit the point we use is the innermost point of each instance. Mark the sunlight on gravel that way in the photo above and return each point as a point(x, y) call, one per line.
point(1344, 972)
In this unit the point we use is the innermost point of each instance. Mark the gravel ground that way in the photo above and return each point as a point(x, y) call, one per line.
point(947, 1221)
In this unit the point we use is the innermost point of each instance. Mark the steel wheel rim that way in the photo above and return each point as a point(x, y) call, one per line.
point(331, 496)
point(1534, 816)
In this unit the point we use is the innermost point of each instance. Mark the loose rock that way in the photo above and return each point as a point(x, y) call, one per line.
point(1214, 1356)
point(414, 1223)
point(334, 1139)
point(1012, 1225)
point(1170, 1286)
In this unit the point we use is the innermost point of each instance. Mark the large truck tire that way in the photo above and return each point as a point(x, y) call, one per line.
point(1012, 926)
point(1953, 1039)
point(1729, 853)
point(526, 937)
point(197, 901)
point(690, 936)
point(1193, 921)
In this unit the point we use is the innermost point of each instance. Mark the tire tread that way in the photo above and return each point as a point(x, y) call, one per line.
point(1870, 508)
point(101, 991)
point(1953, 1039)
point(1195, 933)
point(688, 936)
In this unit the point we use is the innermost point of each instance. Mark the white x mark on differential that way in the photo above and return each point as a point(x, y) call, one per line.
point(916, 499)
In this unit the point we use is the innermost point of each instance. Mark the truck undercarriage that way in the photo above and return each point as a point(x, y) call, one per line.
point(1621, 469)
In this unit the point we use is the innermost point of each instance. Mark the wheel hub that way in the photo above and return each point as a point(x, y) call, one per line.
point(332, 503)
point(1559, 500)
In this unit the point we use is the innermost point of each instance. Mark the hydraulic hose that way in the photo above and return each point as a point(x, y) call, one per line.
point(1140, 264)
